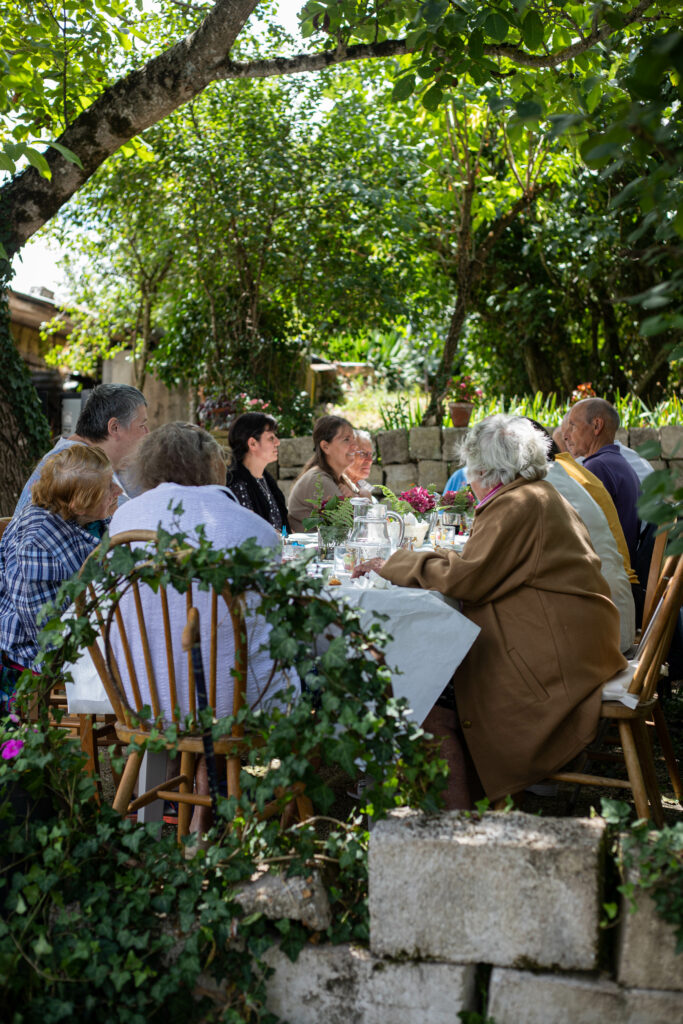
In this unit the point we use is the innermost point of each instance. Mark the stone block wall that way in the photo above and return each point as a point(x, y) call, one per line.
point(428, 455)
point(513, 898)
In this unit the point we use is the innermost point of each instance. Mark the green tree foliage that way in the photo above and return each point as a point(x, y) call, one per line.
point(122, 254)
point(550, 64)
point(261, 218)
point(559, 280)
point(56, 57)
point(641, 150)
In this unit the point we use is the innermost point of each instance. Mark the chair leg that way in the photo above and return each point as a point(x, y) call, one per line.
point(187, 768)
point(635, 775)
point(87, 735)
point(647, 764)
point(668, 751)
point(234, 767)
point(304, 807)
point(127, 784)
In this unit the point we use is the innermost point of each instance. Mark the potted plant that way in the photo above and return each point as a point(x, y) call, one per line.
point(582, 391)
point(462, 394)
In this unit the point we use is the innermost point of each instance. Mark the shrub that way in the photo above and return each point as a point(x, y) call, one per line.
point(99, 916)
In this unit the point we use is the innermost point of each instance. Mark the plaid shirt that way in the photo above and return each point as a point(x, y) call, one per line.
point(38, 551)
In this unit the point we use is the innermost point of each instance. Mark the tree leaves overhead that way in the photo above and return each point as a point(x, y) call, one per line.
point(487, 42)
point(55, 58)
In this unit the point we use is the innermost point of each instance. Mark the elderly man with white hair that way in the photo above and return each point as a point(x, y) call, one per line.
point(527, 696)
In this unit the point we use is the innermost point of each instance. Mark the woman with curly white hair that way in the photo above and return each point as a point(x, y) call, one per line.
point(526, 699)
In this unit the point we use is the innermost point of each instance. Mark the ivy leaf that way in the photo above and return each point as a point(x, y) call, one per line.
point(611, 909)
point(41, 947)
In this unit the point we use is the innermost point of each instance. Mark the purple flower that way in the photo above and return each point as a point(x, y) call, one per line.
point(419, 499)
point(11, 748)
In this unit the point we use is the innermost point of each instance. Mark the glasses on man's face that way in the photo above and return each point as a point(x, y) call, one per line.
point(364, 455)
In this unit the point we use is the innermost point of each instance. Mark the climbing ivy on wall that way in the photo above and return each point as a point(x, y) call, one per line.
point(24, 430)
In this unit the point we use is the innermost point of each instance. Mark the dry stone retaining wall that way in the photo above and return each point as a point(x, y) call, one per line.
point(452, 896)
point(428, 455)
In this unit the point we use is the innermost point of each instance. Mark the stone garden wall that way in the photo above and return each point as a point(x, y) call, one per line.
point(428, 455)
point(507, 903)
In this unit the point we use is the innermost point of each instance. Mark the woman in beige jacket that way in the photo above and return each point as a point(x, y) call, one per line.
point(528, 693)
point(323, 476)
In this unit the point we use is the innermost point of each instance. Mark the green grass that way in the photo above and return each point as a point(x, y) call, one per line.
point(374, 407)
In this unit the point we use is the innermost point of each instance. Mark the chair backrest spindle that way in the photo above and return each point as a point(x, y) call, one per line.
point(656, 639)
point(130, 664)
point(213, 657)
point(170, 663)
point(147, 661)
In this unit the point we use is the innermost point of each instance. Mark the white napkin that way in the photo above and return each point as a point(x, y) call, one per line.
point(371, 581)
point(616, 688)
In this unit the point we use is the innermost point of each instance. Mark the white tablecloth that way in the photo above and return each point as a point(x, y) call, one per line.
point(430, 639)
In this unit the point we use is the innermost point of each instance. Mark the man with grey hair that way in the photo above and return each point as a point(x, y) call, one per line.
point(590, 432)
point(115, 420)
point(638, 464)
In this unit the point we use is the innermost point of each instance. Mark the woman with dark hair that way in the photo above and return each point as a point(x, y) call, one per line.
point(323, 476)
point(254, 443)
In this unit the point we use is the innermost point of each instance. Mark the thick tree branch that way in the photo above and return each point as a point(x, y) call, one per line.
point(306, 62)
point(303, 62)
point(124, 109)
point(145, 97)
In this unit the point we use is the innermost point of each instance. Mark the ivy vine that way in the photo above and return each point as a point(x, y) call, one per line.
point(29, 436)
point(98, 915)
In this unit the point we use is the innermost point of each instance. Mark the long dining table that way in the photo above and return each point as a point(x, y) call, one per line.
point(428, 639)
point(429, 636)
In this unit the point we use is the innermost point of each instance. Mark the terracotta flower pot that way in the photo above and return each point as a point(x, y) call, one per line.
point(460, 413)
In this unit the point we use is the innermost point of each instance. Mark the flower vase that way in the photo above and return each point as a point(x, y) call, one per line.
point(328, 537)
point(460, 413)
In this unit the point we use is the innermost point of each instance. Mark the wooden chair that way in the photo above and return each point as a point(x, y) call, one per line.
point(4, 523)
point(131, 632)
point(657, 577)
point(92, 732)
point(631, 722)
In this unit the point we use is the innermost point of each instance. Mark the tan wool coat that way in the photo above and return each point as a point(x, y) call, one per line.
point(528, 692)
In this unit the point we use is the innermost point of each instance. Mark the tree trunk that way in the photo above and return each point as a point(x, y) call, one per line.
point(435, 410)
point(24, 431)
point(470, 269)
point(538, 371)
